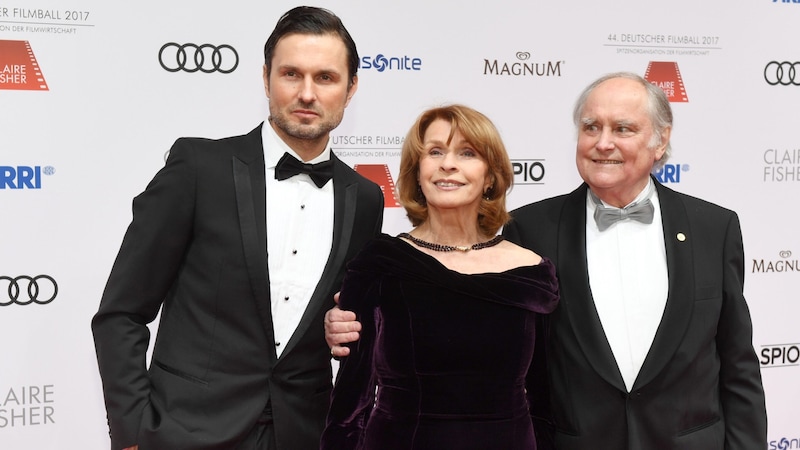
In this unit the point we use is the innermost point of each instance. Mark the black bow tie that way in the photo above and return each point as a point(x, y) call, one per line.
point(605, 217)
point(289, 166)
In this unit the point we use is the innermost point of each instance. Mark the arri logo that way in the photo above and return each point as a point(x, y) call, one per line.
point(23, 177)
point(382, 63)
point(670, 173)
point(19, 69)
point(667, 76)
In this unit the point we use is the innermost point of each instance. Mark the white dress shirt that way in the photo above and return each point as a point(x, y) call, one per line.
point(299, 237)
point(629, 281)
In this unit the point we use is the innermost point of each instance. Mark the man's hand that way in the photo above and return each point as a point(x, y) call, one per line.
point(135, 447)
point(341, 327)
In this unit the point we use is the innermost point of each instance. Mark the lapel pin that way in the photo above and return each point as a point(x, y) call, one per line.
point(681, 237)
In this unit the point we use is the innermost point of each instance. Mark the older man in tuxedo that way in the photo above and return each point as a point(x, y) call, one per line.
point(651, 347)
point(241, 242)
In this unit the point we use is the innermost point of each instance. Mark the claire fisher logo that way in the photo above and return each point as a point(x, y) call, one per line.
point(667, 76)
point(29, 405)
point(206, 58)
point(368, 154)
point(24, 290)
point(19, 69)
point(380, 175)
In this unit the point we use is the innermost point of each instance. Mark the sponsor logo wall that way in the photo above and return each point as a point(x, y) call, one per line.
point(100, 91)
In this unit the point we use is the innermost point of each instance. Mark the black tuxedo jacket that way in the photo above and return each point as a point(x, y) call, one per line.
point(196, 248)
point(700, 385)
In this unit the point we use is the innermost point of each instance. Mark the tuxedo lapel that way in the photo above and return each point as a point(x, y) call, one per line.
point(577, 302)
point(345, 194)
point(250, 183)
point(678, 311)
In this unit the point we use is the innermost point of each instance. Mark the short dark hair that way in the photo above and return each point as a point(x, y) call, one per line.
point(312, 20)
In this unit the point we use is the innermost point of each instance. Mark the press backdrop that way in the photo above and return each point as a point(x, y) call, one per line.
point(93, 93)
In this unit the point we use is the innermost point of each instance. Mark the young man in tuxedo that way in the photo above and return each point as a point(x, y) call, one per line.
point(241, 242)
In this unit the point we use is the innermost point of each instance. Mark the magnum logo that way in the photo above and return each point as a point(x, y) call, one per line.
point(379, 174)
point(667, 76)
point(18, 67)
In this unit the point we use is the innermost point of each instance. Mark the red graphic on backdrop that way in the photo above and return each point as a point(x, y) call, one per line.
point(19, 69)
point(379, 174)
point(667, 76)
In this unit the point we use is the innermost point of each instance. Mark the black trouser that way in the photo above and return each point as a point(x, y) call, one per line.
point(262, 436)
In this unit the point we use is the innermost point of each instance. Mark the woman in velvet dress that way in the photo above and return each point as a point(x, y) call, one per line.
point(448, 310)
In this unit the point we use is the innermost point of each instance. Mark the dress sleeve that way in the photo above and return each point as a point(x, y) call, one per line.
point(353, 394)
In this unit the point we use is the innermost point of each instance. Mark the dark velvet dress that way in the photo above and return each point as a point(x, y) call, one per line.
point(448, 353)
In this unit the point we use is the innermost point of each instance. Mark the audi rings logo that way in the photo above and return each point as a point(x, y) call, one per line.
point(191, 58)
point(783, 73)
point(24, 290)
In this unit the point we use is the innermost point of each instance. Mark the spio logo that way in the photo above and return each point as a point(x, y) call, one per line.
point(192, 58)
point(23, 177)
point(382, 63)
point(528, 171)
point(670, 173)
point(24, 290)
point(780, 355)
point(783, 73)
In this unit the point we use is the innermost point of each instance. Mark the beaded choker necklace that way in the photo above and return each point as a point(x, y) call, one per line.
point(449, 248)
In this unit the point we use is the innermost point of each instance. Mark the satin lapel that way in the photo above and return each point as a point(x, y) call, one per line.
point(680, 299)
point(251, 202)
point(577, 302)
point(345, 194)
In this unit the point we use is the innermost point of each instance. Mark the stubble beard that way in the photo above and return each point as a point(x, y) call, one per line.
point(304, 131)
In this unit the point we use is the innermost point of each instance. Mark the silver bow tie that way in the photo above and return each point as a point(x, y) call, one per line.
point(605, 217)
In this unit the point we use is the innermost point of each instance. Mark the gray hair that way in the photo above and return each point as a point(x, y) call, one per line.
point(657, 105)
